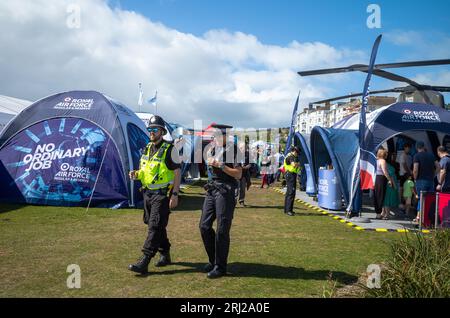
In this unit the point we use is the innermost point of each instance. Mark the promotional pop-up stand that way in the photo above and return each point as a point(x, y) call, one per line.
point(72, 149)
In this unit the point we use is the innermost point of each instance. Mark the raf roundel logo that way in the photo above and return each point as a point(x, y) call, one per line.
point(407, 111)
point(67, 99)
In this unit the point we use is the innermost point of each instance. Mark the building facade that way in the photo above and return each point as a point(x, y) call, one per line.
point(328, 115)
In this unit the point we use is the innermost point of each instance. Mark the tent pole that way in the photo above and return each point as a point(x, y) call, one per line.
point(101, 165)
point(436, 212)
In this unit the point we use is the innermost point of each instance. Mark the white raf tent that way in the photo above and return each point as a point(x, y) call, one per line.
point(10, 107)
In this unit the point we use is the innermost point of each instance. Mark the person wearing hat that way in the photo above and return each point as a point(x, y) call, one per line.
point(292, 168)
point(159, 173)
point(225, 169)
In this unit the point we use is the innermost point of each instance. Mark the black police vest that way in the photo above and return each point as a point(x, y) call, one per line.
point(216, 173)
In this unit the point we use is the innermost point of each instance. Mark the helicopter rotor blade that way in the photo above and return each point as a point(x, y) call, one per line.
point(392, 90)
point(364, 68)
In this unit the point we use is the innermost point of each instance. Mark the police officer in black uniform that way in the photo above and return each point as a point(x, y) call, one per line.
point(291, 165)
point(225, 170)
point(158, 197)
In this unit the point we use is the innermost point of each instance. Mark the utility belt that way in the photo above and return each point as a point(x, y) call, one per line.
point(162, 191)
point(220, 186)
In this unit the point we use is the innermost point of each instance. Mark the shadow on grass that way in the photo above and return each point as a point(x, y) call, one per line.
point(263, 271)
point(282, 272)
point(7, 207)
point(194, 268)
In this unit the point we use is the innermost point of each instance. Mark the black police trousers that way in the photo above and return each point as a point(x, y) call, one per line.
point(242, 189)
point(291, 183)
point(156, 215)
point(217, 205)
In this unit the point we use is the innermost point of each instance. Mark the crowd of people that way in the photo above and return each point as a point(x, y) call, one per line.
point(399, 181)
point(258, 162)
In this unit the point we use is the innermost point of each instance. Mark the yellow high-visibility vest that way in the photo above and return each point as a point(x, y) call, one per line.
point(153, 172)
point(290, 168)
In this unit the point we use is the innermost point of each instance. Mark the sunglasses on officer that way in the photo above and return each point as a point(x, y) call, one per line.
point(153, 130)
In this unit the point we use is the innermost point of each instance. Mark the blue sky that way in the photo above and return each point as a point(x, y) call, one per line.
point(341, 24)
point(294, 18)
point(229, 61)
point(338, 23)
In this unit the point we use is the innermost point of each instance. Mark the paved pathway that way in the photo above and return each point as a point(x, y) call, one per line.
point(398, 222)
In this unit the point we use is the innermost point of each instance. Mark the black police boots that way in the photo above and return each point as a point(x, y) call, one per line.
point(164, 260)
point(216, 273)
point(141, 266)
point(208, 267)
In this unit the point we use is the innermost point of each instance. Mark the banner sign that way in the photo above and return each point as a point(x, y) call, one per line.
point(444, 209)
point(57, 161)
point(428, 209)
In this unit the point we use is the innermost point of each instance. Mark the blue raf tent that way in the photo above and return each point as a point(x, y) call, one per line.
point(390, 126)
point(72, 149)
point(336, 147)
point(307, 178)
point(302, 141)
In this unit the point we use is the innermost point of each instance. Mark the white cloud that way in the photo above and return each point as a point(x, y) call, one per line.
point(404, 38)
point(441, 78)
point(220, 76)
point(421, 44)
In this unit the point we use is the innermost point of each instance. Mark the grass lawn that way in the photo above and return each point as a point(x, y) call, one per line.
point(271, 255)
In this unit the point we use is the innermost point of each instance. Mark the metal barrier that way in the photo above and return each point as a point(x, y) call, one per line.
point(434, 210)
point(443, 209)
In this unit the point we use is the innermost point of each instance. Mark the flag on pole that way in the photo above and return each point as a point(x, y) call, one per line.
point(153, 100)
point(141, 95)
point(367, 159)
point(291, 128)
point(364, 172)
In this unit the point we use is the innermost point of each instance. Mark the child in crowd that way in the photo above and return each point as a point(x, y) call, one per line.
point(409, 191)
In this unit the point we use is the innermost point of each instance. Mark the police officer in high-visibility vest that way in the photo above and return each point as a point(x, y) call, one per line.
point(220, 200)
point(159, 173)
point(292, 169)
